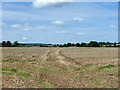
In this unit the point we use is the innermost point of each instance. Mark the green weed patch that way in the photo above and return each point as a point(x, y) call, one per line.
point(50, 59)
point(9, 69)
point(106, 66)
point(27, 75)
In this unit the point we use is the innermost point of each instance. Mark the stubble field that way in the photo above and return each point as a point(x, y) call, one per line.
point(70, 67)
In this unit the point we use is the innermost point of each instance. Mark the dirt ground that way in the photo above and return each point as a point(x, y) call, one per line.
point(71, 67)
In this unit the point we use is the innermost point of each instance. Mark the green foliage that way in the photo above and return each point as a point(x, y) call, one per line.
point(5, 60)
point(78, 69)
point(15, 44)
point(9, 69)
point(68, 44)
point(93, 44)
point(78, 77)
point(83, 45)
point(46, 84)
point(106, 66)
point(26, 75)
point(12, 61)
point(78, 45)
point(90, 44)
point(51, 59)
point(6, 44)
point(13, 71)
point(6, 73)
point(65, 69)
point(9, 44)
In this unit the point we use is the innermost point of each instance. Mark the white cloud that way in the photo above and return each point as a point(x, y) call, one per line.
point(113, 26)
point(46, 3)
point(27, 28)
point(80, 33)
point(63, 32)
point(24, 38)
point(40, 28)
point(15, 26)
point(59, 23)
point(78, 19)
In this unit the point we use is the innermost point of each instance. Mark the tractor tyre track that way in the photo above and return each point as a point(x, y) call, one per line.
point(65, 60)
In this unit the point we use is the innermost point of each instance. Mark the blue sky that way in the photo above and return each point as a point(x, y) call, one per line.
point(60, 22)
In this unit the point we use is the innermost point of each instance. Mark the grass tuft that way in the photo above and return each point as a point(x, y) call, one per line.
point(5, 60)
point(9, 69)
point(6, 73)
point(50, 59)
point(46, 84)
point(78, 77)
point(106, 66)
point(78, 69)
point(26, 75)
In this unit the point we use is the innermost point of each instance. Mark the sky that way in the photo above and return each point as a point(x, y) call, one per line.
point(60, 22)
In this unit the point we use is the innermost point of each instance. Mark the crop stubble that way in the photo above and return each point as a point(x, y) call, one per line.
point(73, 67)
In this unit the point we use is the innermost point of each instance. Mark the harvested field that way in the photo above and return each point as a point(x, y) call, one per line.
point(71, 67)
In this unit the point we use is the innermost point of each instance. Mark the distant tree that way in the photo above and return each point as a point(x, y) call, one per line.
point(108, 43)
point(115, 44)
point(83, 44)
point(0, 44)
point(72, 44)
point(57, 45)
point(15, 44)
point(60, 45)
point(4, 44)
point(69, 44)
point(101, 43)
point(93, 44)
point(65, 45)
point(77, 44)
point(8, 44)
point(54, 45)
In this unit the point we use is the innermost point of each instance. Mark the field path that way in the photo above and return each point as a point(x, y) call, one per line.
point(66, 60)
point(45, 56)
point(58, 56)
point(61, 58)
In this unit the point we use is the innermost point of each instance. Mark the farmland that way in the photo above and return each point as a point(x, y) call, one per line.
point(52, 67)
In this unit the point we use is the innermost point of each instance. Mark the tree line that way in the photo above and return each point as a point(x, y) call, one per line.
point(90, 44)
point(9, 44)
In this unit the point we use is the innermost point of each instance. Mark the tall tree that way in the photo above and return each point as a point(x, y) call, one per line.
point(83, 44)
point(9, 44)
point(77, 44)
point(93, 44)
point(69, 44)
point(4, 43)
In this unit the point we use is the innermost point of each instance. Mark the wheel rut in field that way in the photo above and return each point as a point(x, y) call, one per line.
point(68, 60)
point(58, 56)
point(45, 56)
point(61, 58)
